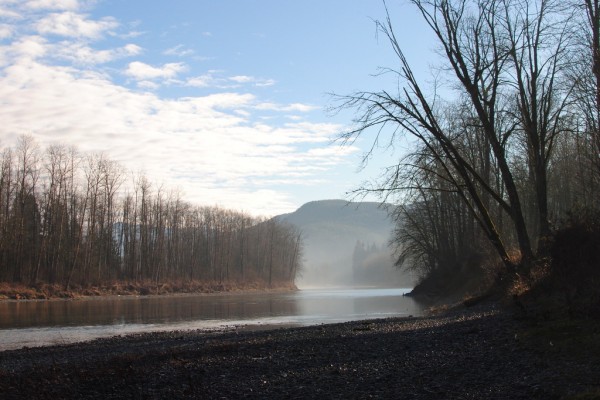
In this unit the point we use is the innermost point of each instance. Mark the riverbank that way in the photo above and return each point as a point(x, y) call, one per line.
point(45, 291)
point(477, 352)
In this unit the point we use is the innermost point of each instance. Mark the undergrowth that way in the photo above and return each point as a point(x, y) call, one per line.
point(567, 283)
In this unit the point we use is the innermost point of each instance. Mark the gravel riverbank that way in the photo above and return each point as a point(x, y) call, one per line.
point(474, 353)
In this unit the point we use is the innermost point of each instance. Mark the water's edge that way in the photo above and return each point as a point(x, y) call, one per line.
point(41, 323)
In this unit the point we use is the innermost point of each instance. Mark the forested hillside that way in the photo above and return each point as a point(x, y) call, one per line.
point(73, 219)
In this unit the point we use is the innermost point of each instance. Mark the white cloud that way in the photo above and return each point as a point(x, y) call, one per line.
point(6, 31)
point(215, 79)
point(221, 100)
point(265, 82)
point(142, 71)
point(149, 85)
point(179, 51)
point(241, 79)
point(132, 49)
point(295, 107)
point(28, 48)
point(300, 107)
point(203, 144)
point(205, 80)
point(217, 147)
point(53, 4)
point(243, 113)
point(9, 14)
point(80, 53)
point(252, 80)
point(72, 24)
point(131, 34)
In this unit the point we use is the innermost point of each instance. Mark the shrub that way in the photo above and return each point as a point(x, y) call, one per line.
point(575, 266)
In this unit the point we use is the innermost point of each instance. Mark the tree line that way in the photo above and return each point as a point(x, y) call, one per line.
point(504, 144)
point(69, 218)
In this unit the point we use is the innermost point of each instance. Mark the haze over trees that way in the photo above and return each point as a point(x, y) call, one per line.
point(72, 219)
point(506, 147)
point(332, 233)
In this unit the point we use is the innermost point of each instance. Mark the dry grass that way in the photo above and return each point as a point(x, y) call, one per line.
point(43, 291)
point(38, 291)
point(521, 284)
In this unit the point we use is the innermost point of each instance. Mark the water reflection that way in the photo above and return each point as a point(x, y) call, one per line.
point(353, 304)
point(142, 310)
point(34, 323)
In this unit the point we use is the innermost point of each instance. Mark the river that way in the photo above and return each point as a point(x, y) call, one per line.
point(40, 323)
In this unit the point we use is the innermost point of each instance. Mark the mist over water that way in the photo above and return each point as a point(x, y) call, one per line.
point(335, 267)
point(346, 244)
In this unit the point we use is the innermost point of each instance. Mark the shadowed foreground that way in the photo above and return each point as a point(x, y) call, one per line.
point(468, 354)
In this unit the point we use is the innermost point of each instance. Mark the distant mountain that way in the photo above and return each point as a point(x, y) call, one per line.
point(334, 232)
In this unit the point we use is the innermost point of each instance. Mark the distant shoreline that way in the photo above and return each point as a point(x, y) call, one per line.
point(41, 292)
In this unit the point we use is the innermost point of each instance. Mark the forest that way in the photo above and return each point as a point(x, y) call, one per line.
point(74, 219)
point(503, 140)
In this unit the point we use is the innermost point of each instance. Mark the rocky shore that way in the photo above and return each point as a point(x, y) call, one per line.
point(481, 352)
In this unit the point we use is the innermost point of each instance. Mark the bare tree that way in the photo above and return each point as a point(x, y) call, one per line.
point(585, 75)
point(539, 36)
point(499, 60)
point(65, 221)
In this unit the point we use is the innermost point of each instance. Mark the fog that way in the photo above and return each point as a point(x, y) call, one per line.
point(346, 245)
point(350, 264)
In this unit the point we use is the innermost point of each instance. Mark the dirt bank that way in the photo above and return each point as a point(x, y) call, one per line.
point(475, 353)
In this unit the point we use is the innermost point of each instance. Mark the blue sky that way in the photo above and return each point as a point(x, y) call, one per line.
point(223, 100)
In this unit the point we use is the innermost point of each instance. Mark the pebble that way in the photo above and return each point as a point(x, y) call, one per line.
point(464, 354)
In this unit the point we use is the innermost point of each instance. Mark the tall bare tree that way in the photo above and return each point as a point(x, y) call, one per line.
point(64, 221)
point(504, 62)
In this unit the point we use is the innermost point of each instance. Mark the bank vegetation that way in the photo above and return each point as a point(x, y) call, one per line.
point(503, 144)
point(71, 221)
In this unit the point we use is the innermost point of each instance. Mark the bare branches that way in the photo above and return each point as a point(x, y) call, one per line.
point(66, 219)
point(508, 58)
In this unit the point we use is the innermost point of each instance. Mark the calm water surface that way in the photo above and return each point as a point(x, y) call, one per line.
point(39, 323)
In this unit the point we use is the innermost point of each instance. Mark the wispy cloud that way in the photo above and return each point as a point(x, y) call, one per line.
point(6, 31)
point(217, 147)
point(53, 4)
point(241, 79)
point(80, 53)
point(8, 13)
point(142, 71)
point(205, 80)
point(244, 79)
point(217, 79)
point(296, 107)
point(179, 51)
point(196, 143)
point(71, 24)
